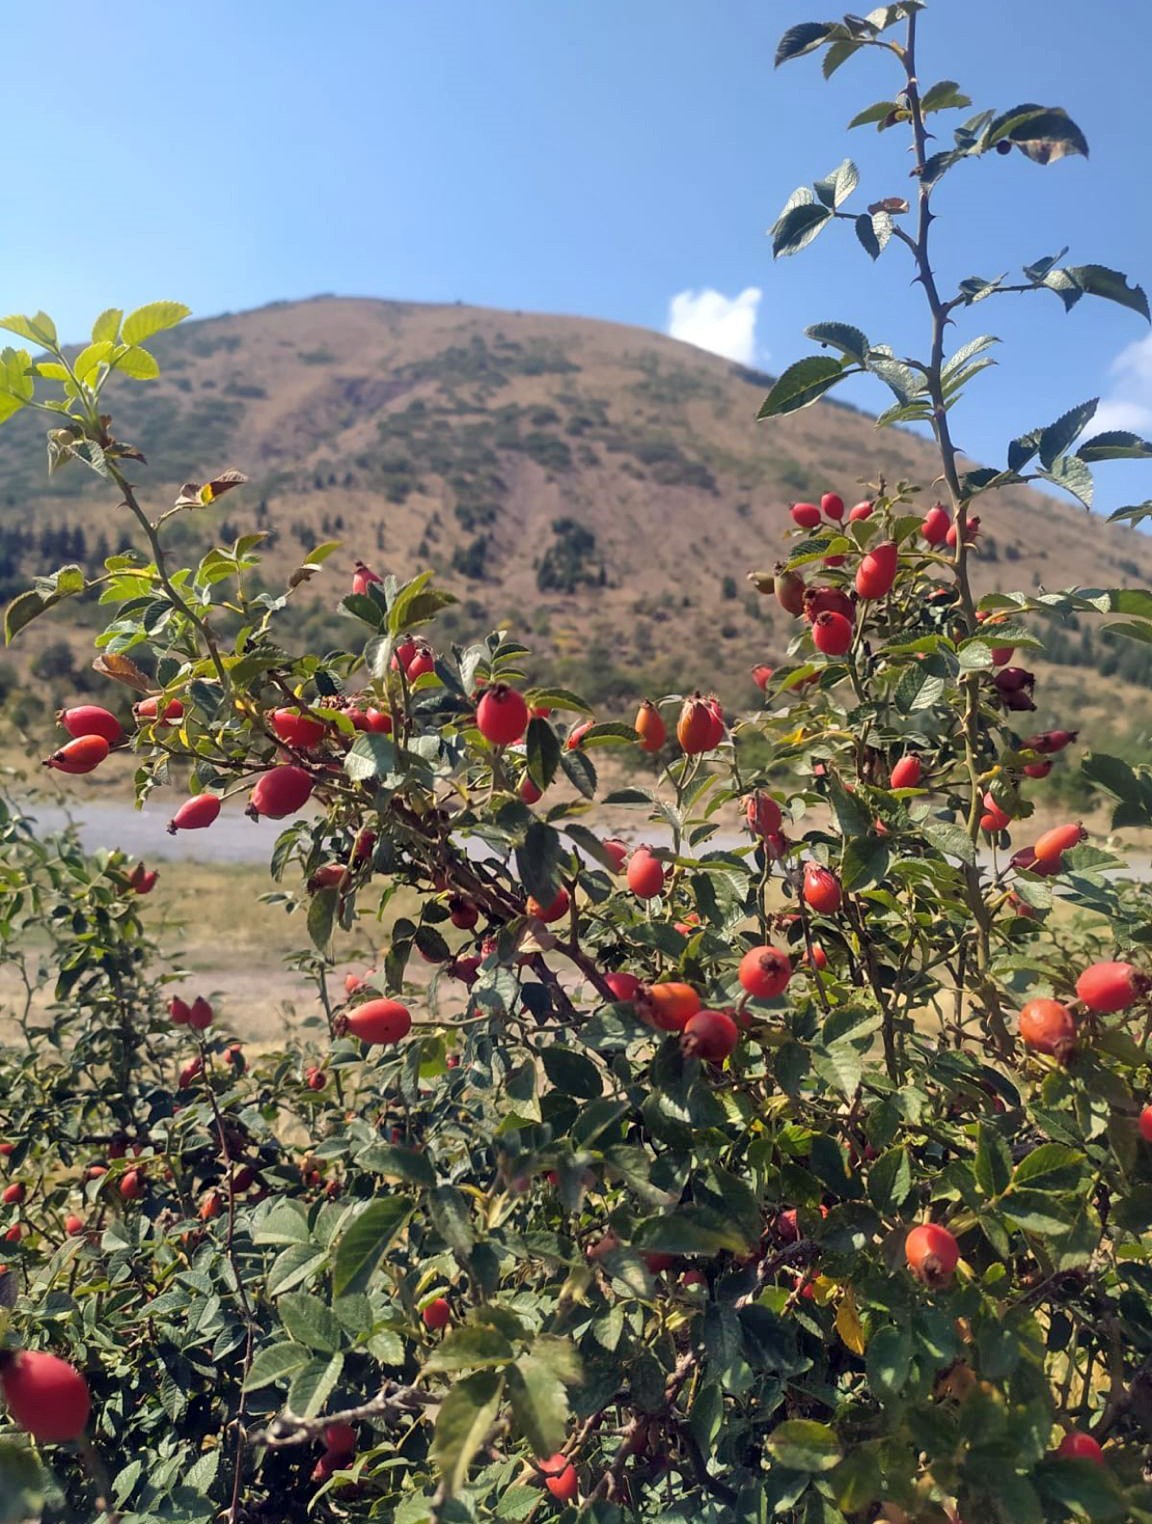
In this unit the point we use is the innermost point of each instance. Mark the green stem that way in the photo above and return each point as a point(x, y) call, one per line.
point(175, 596)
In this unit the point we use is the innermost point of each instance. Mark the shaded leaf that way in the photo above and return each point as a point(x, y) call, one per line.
point(538, 861)
point(543, 751)
point(797, 227)
point(798, 40)
point(322, 916)
point(1115, 444)
point(804, 1445)
point(313, 1385)
point(993, 1165)
point(835, 188)
point(1055, 439)
point(1075, 281)
point(1044, 133)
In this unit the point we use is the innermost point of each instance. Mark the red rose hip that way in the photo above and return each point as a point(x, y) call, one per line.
point(932, 1253)
point(91, 720)
point(502, 715)
point(832, 633)
point(822, 889)
point(645, 874)
point(195, 814)
point(764, 972)
point(1108, 987)
point(82, 755)
point(906, 773)
point(1078, 1446)
point(1046, 1026)
point(379, 1022)
point(47, 1397)
point(710, 1035)
point(280, 792)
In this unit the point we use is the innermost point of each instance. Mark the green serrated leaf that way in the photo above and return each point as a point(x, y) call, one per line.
point(23, 609)
point(89, 360)
point(466, 1415)
point(842, 336)
point(322, 916)
point(1073, 475)
point(451, 1218)
point(22, 1484)
point(153, 318)
point(993, 1163)
point(890, 1180)
point(136, 363)
point(967, 352)
point(580, 772)
point(950, 839)
point(803, 384)
point(905, 382)
point(470, 1348)
point(539, 1403)
point(310, 1322)
point(838, 53)
point(371, 756)
point(286, 1223)
point(39, 329)
point(835, 189)
point(889, 1360)
point(1043, 133)
point(364, 1241)
point(401, 1163)
point(1050, 1167)
point(274, 1362)
point(1133, 513)
point(572, 1074)
point(879, 112)
point(106, 328)
point(864, 863)
point(945, 95)
point(313, 1384)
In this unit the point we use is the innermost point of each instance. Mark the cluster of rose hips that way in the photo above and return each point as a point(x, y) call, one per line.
point(831, 611)
point(1103, 989)
point(340, 1441)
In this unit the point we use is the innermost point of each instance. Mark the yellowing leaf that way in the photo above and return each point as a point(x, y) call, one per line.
point(848, 1324)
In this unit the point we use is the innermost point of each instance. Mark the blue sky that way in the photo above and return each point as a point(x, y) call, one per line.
point(600, 157)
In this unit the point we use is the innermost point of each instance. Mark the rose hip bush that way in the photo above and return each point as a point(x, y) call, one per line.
point(800, 1171)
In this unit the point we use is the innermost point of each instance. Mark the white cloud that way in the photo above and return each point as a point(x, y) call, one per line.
point(1129, 406)
point(724, 325)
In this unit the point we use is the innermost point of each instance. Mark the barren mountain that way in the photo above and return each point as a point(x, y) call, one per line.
point(601, 489)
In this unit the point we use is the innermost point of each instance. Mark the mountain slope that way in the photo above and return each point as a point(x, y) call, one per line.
point(590, 484)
